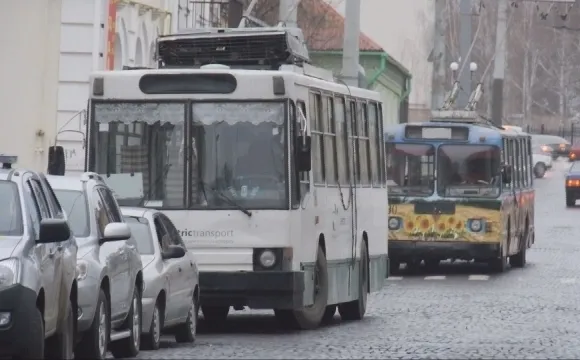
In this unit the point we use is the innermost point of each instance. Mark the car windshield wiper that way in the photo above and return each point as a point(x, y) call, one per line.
point(224, 197)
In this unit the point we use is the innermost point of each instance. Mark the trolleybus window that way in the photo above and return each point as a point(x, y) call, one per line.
point(410, 168)
point(341, 141)
point(316, 129)
point(468, 170)
point(142, 142)
point(241, 157)
point(329, 140)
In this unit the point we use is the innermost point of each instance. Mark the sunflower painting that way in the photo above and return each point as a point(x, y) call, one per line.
point(444, 227)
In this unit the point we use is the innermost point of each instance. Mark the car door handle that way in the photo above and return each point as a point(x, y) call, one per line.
point(179, 269)
point(52, 253)
point(191, 264)
point(59, 248)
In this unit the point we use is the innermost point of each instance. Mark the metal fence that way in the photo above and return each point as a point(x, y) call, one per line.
point(570, 132)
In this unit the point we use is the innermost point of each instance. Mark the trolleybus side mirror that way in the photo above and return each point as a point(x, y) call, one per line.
point(303, 152)
point(506, 174)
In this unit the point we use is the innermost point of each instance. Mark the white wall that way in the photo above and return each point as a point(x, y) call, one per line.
point(404, 29)
point(29, 37)
point(83, 50)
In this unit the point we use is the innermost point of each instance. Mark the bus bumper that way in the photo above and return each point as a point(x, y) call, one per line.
point(402, 251)
point(255, 289)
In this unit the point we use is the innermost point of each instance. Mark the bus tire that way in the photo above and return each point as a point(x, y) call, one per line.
point(394, 266)
point(329, 314)
point(309, 317)
point(519, 260)
point(215, 316)
point(355, 310)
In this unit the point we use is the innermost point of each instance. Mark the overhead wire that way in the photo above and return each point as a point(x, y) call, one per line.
point(472, 45)
point(494, 54)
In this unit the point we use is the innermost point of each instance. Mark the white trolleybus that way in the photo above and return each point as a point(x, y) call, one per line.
point(272, 172)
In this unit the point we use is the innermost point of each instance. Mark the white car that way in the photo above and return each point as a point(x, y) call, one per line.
point(542, 159)
point(171, 292)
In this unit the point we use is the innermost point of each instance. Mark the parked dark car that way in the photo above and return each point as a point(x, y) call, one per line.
point(573, 184)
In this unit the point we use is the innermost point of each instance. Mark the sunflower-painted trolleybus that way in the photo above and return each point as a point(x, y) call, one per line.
point(460, 188)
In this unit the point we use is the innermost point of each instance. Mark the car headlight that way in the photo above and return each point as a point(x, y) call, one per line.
point(267, 258)
point(475, 225)
point(9, 272)
point(394, 223)
point(82, 270)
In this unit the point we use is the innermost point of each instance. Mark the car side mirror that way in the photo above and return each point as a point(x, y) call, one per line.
point(53, 231)
point(173, 252)
point(506, 174)
point(116, 232)
point(303, 153)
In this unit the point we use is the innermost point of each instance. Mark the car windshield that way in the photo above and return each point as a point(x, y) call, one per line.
point(468, 170)
point(411, 169)
point(75, 205)
point(10, 211)
point(141, 232)
point(238, 150)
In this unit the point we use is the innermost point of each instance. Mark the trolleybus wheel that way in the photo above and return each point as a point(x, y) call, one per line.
point(355, 310)
point(394, 266)
point(309, 317)
point(432, 264)
point(329, 314)
point(519, 260)
point(215, 316)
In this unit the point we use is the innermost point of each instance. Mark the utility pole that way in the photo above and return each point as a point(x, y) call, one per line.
point(288, 12)
point(465, 39)
point(439, 56)
point(350, 48)
point(499, 63)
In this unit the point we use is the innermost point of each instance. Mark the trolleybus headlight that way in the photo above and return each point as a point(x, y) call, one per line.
point(267, 258)
point(475, 225)
point(394, 223)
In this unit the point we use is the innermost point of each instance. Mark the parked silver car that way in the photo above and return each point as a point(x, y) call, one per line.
point(38, 255)
point(171, 295)
point(109, 268)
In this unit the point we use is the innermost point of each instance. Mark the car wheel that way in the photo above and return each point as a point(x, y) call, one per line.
point(61, 345)
point(186, 332)
point(152, 340)
point(95, 341)
point(36, 336)
point(129, 346)
point(570, 200)
point(539, 170)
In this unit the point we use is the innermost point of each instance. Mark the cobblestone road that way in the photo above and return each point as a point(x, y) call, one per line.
point(458, 312)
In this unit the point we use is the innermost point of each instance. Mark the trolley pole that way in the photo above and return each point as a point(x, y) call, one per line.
point(288, 13)
point(499, 63)
point(439, 56)
point(465, 39)
point(350, 51)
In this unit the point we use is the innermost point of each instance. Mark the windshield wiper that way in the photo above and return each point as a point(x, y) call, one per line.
point(231, 201)
point(224, 197)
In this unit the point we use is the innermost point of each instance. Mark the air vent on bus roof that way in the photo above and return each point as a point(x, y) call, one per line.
point(268, 48)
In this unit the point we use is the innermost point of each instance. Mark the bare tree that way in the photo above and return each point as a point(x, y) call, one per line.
point(318, 19)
